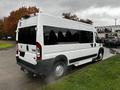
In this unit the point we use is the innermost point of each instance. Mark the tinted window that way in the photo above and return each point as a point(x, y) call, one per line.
point(86, 37)
point(56, 35)
point(27, 35)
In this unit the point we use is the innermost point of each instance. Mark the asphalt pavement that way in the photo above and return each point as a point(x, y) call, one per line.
point(107, 53)
point(12, 78)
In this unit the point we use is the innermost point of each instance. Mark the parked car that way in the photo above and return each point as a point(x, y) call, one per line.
point(112, 41)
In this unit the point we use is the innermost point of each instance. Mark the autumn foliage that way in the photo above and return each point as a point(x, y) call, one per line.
point(10, 22)
point(1, 29)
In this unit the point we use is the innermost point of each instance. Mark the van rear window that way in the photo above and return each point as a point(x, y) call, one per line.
point(27, 35)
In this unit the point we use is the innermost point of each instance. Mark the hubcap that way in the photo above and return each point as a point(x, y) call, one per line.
point(59, 70)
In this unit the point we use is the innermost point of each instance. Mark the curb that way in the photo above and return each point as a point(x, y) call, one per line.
point(109, 56)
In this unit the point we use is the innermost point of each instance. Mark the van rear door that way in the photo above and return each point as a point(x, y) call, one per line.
point(27, 44)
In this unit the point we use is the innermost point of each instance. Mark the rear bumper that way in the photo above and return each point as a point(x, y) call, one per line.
point(42, 67)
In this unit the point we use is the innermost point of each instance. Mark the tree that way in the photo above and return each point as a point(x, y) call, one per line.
point(70, 16)
point(10, 22)
point(1, 29)
point(107, 30)
point(76, 18)
point(88, 21)
point(1, 25)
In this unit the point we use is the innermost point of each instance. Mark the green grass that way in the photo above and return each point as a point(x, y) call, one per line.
point(104, 75)
point(2, 46)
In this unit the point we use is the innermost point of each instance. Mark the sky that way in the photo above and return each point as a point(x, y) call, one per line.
point(101, 12)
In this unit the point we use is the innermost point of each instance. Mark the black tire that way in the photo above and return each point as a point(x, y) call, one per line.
point(100, 56)
point(59, 69)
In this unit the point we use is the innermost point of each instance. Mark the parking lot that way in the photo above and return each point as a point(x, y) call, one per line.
point(12, 78)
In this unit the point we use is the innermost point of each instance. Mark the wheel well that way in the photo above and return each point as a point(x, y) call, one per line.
point(62, 58)
point(101, 50)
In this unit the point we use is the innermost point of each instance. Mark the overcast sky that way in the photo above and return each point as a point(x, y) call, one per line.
point(102, 12)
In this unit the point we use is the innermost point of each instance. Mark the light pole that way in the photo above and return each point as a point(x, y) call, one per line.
point(115, 21)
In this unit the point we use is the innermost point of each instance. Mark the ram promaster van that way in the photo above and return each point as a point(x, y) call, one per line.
point(48, 45)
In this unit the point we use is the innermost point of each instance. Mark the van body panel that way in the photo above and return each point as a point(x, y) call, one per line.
point(60, 22)
point(71, 51)
point(26, 40)
point(32, 21)
point(28, 55)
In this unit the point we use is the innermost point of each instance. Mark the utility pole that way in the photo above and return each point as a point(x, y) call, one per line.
point(115, 21)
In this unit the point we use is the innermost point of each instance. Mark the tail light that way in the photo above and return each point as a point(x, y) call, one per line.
point(38, 51)
point(16, 47)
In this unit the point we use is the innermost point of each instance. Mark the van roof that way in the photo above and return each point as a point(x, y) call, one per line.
point(51, 20)
point(60, 21)
point(50, 15)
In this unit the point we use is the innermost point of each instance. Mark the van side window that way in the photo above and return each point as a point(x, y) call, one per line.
point(52, 38)
point(46, 39)
point(86, 37)
point(76, 36)
point(56, 36)
point(68, 36)
point(61, 37)
point(97, 39)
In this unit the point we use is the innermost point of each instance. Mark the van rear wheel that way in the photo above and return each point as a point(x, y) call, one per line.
point(59, 69)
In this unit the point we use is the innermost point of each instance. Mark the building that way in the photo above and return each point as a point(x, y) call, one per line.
point(102, 30)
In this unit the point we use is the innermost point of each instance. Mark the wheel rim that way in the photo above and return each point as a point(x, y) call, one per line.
point(59, 70)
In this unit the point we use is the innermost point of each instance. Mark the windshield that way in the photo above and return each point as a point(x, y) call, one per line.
point(27, 35)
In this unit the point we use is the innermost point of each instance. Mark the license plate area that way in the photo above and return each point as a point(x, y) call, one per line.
point(22, 54)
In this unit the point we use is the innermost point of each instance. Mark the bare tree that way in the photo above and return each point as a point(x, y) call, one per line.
point(76, 18)
point(88, 21)
point(70, 16)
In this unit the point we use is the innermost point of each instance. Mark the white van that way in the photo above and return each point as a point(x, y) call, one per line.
point(48, 45)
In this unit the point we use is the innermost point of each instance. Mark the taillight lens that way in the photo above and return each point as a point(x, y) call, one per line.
point(38, 51)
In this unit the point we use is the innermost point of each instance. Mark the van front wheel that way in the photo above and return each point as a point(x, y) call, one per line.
point(100, 56)
point(59, 69)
